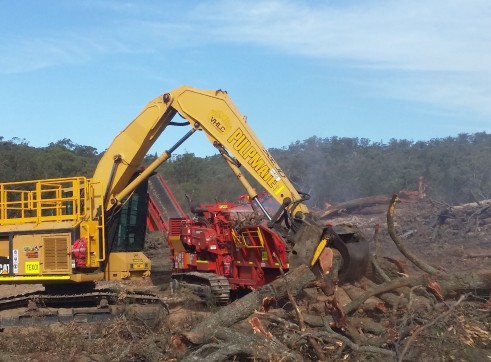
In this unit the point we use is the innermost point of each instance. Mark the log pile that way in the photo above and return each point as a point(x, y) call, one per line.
point(388, 315)
point(472, 215)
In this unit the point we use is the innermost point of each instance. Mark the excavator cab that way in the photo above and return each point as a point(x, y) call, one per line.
point(126, 228)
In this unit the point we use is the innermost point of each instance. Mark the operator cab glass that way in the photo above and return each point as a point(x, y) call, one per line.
point(131, 230)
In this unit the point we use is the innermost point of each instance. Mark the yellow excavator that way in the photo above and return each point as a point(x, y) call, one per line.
point(76, 231)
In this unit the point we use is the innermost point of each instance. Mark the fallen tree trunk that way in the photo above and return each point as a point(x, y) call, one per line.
point(478, 210)
point(232, 343)
point(242, 308)
point(446, 285)
point(476, 255)
point(355, 204)
point(219, 342)
point(471, 206)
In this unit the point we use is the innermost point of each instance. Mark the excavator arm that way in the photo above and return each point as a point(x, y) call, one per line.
point(215, 114)
point(212, 112)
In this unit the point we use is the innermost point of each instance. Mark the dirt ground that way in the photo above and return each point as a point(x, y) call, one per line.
point(455, 246)
point(448, 247)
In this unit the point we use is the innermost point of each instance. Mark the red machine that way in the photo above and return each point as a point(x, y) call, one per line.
point(162, 204)
point(218, 250)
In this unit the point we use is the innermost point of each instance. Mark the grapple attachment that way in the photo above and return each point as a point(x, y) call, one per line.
point(347, 239)
point(353, 247)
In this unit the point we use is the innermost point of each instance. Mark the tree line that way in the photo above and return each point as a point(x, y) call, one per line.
point(335, 169)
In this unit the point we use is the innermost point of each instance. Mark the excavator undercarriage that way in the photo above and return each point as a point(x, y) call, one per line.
point(81, 303)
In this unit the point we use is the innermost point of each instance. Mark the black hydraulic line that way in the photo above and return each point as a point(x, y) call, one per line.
point(178, 123)
point(117, 160)
point(181, 141)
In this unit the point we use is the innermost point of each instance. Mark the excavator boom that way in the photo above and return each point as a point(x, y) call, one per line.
point(215, 114)
point(212, 112)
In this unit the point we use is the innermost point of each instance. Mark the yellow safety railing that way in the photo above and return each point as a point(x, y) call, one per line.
point(61, 199)
point(247, 238)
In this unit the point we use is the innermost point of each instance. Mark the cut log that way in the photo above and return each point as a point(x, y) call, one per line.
point(242, 308)
point(472, 206)
point(476, 255)
point(480, 210)
point(372, 210)
point(449, 284)
point(233, 343)
point(351, 205)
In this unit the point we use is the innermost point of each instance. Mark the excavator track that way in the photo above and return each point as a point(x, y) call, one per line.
point(208, 286)
point(99, 305)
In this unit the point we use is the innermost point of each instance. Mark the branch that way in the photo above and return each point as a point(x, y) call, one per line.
point(242, 308)
point(229, 343)
point(330, 334)
point(448, 283)
point(374, 259)
point(382, 288)
point(301, 321)
point(426, 326)
point(400, 245)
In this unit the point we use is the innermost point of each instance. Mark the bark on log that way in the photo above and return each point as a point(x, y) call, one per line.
point(372, 210)
point(233, 343)
point(389, 298)
point(474, 255)
point(449, 284)
point(471, 206)
point(479, 210)
point(365, 324)
point(486, 221)
point(242, 308)
point(355, 204)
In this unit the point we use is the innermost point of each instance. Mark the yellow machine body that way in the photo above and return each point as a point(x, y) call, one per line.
point(38, 225)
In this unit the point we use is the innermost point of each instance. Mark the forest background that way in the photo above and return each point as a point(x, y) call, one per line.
point(455, 169)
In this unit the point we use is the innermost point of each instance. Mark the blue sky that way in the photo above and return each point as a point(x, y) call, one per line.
point(405, 69)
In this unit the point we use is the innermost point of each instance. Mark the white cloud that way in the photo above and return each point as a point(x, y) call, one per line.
point(34, 53)
point(406, 34)
point(415, 35)
point(434, 52)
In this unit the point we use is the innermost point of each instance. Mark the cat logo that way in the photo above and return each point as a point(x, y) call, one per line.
point(4, 265)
